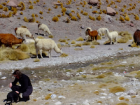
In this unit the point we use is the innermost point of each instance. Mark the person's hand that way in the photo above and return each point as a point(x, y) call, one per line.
point(10, 85)
point(17, 92)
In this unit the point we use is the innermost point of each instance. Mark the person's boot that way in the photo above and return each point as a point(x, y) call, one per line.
point(24, 99)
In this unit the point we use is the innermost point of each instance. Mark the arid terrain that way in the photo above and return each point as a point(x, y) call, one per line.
point(104, 75)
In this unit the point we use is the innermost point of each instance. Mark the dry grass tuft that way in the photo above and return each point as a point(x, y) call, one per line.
point(73, 42)
point(92, 46)
point(101, 76)
point(116, 89)
point(86, 43)
point(48, 97)
point(63, 55)
point(78, 49)
point(80, 39)
point(62, 40)
point(36, 60)
point(134, 44)
point(50, 36)
point(95, 42)
point(123, 103)
point(78, 45)
point(12, 54)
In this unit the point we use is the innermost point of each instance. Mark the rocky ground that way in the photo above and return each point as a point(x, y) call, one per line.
point(87, 75)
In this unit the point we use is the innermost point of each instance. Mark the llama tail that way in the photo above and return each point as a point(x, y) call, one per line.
point(57, 49)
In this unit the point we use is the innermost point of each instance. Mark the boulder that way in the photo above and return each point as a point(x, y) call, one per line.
point(93, 2)
point(111, 11)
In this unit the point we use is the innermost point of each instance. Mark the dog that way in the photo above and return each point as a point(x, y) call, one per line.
point(11, 97)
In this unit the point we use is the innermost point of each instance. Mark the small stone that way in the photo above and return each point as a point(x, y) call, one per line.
point(3, 77)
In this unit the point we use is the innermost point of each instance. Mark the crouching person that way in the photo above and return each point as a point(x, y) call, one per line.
point(25, 85)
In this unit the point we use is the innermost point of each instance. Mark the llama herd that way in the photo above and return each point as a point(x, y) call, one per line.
point(40, 44)
point(49, 44)
point(101, 31)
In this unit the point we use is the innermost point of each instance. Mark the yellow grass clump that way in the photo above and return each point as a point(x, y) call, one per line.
point(31, 7)
point(50, 36)
point(80, 39)
point(55, 19)
point(21, 13)
point(48, 97)
point(116, 89)
point(127, 18)
point(78, 49)
point(63, 9)
point(78, 45)
point(101, 76)
point(98, 18)
point(92, 46)
point(22, 6)
point(78, 15)
point(41, 12)
point(95, 43)
point(10, 14)
point(1, 7)
point(136, 17)
point(86, 43)
point(122, 19)
point(92, 18)
point(63, 55)
point(74, 18)
point(25, 19)
point(123, 103)
point(37, 0)
point(33, 15)
point(36, 60)
point(5, 9)
point(36, 15)
point(12, 54)
point(85, 13)
point(73, 42)
point(62, 40)
point(32, 19)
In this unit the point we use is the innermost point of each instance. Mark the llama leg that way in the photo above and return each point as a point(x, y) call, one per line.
point(110, 41)
point(41, 53)
point(36, 53)
point(38, 31)
point(49, 53)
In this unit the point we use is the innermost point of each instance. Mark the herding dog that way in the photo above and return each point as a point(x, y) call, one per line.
point(11, 97)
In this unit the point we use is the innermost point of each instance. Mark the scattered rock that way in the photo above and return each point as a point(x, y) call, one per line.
point(58, 103)
point(93, 2)
point(111, 11)
point(3, 77)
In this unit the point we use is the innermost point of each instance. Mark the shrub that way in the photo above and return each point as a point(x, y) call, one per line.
point(25, 19)
point(10, 14)
point(55, 19)
point(37, 21)
point(92, 18)
point(36, 15)
point(85, 13)
point(116, 89)
point(22, 6)
point(122, 19)
point(63, 55)
point(127, 18)
point(41, 12)
point(31, 7)
point(1, 7)
point(86, 43)
point(78, 45)
point(21, 13)
point(78, 16)
point(80, 39)
point(92, 46)
point(136, 17)
point(98, 18)
point(62, 40)
point(32, 19)
point(37, 0)
point(73, 42)
point(34, 2)
point(49, 9)
point(33, 15)
point(74, 18)
point(63, 9)
point(50, 36)
point(5, 9)
point(55, 6)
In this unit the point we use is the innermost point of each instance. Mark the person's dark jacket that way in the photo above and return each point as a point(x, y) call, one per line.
point(24, 82)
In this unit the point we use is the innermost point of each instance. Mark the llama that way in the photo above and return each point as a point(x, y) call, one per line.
point(111, 35)
point(101, 31)
point(87, 37)
point(23, 32)
point(46, 45)
point(136, 37)
point(29, 41)
point(9, 39)
point(92, 34)
point(44, 28)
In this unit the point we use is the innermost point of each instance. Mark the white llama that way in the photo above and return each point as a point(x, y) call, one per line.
point(111, 35)
point(46, 45)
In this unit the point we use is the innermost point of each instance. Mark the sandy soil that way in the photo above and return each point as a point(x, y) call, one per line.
point(71, 82)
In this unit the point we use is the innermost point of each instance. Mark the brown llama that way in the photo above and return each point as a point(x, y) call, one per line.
point(9, 39)
point(92, 34)
point(136, 37)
